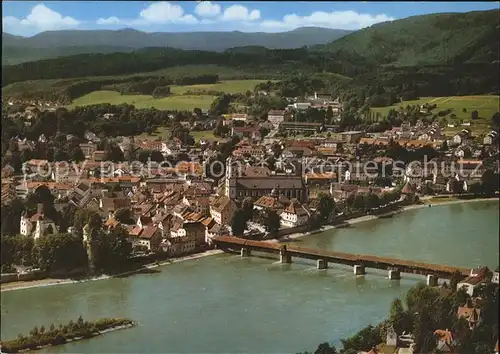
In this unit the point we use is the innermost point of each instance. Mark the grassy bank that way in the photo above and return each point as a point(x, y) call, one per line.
point(486, 106)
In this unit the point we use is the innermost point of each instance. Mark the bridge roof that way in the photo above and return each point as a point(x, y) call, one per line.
point(339, 255)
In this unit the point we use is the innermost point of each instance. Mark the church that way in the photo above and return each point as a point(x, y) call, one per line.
point(37, 225)
point(239, 183)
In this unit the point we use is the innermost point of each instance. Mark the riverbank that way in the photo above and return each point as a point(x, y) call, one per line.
point(51, 282)
point(365, 218)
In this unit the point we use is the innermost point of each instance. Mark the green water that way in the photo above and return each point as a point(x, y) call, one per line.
point(228, 304)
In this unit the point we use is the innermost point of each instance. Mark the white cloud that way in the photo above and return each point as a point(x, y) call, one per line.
point(41, 18)
point(207, 9)
point(164, 12)
point(113, 20)
point(240, 13)
point(349, 20)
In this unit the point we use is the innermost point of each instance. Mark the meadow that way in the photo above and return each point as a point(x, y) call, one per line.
point(163, 134)
point(179, 100)
point(461, 106)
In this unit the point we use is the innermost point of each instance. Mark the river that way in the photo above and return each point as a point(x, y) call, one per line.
point(229, 304)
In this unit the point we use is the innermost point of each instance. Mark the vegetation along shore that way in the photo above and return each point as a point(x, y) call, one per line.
point(39, 338)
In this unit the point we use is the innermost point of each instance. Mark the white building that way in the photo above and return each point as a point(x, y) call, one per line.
point(294, 215)
point(476, 277)
point(37, 225)
point(495, 278)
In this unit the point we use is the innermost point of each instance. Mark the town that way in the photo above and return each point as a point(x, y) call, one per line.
point(269, 178)
point(274, 178)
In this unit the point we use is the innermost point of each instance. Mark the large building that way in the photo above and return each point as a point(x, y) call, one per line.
point(239, 185)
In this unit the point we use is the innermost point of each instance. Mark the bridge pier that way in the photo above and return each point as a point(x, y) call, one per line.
point(394, 274)
point(285, 258)
point(359, 269)
point(321, 264)
point(432, 280)
point(245, 252)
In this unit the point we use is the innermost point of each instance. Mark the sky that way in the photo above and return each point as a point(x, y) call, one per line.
point(27, 18)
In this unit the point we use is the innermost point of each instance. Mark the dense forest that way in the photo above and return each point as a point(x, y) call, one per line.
point(431, 55)
point(435, 39)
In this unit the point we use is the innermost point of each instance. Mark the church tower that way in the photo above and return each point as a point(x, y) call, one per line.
point(231, 179)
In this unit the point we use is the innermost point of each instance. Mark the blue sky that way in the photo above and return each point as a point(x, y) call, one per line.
point(28, 18)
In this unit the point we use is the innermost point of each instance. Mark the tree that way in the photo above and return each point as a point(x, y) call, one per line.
point(329, 114)
point(77, 155)
point(239, 222)
point(112, 249)
point(124, 215)
point(359, 202)
point(221, 104)
point(247, 207)
point(325, 348)
point(399, 318)
point(326, 206)
point(372, 201)
point(272, 222)
point(60, 252)
point(495, 120)
point(488, 182)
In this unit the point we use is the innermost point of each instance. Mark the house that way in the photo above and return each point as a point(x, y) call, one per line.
point(110, 205)
point(300, 127)
point(37, 225)
point(461, 137)
point(98, 155)
point(463, 183)
point(215, 230)
point(274, 201)
point(463, 151)
point(471, 314)
point(490, 138)
point(199, 204)
point(301, 106)
point(276, 117)
point(88, 149)
point(90, 136)
point(445, 341)
point(352, 137)
point(239, 117)
point(474, 280)
point(294, 215)
point(252, 132)
point(391, 337)
point(222, 209)
point(495, 277)
point(148, 237)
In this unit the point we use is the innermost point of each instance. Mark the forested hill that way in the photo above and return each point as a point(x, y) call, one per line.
point(277, 61)
point(52, 44)
point(436, 39)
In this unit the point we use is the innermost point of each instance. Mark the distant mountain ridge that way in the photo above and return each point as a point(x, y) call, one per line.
point(51, 44)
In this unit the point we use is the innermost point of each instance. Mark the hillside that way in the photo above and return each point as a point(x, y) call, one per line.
point(49, 44)
point(436, 39)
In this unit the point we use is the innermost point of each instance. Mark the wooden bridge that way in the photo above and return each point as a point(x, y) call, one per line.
point(358, 261)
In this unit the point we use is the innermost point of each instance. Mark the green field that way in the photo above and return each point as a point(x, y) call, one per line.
point(486, 106)
point(174, 102)
point(177, 101)
point(163, 133)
